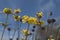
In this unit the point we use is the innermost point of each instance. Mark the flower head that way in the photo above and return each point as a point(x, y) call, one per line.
point(41, 22)
point(17, 18)
point(35, 21)
point(25, 32)
point(32, 20)
point(17, 11)
point(7, 10)
point(39, 14)
point(25, 18)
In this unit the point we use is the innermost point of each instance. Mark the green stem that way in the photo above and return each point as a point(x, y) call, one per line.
point(14, 33)
point(4, 26)
point(28, 26)
point(9, 34)
point(26, 38)
point(6, 18)
point(20, 30)
point(2, 34)
point(17, 24)
point(52, 28)
point(57, 34)
point(33, 36)
point(28, 30)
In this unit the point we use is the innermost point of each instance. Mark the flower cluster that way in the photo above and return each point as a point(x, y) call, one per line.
point(32, 20)
point(35, 21)
point(29, 20)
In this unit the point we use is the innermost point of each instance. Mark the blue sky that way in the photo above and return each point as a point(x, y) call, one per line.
point(30, 8)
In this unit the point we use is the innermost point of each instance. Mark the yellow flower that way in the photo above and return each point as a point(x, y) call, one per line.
point(17, 18)
point(17, 11)
point(41, 23)
point(40, 14)
point(25, 32)
point(35, 21)
point(7, 10)
point(32, 20)
point(29, 20)
point(25, 18)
